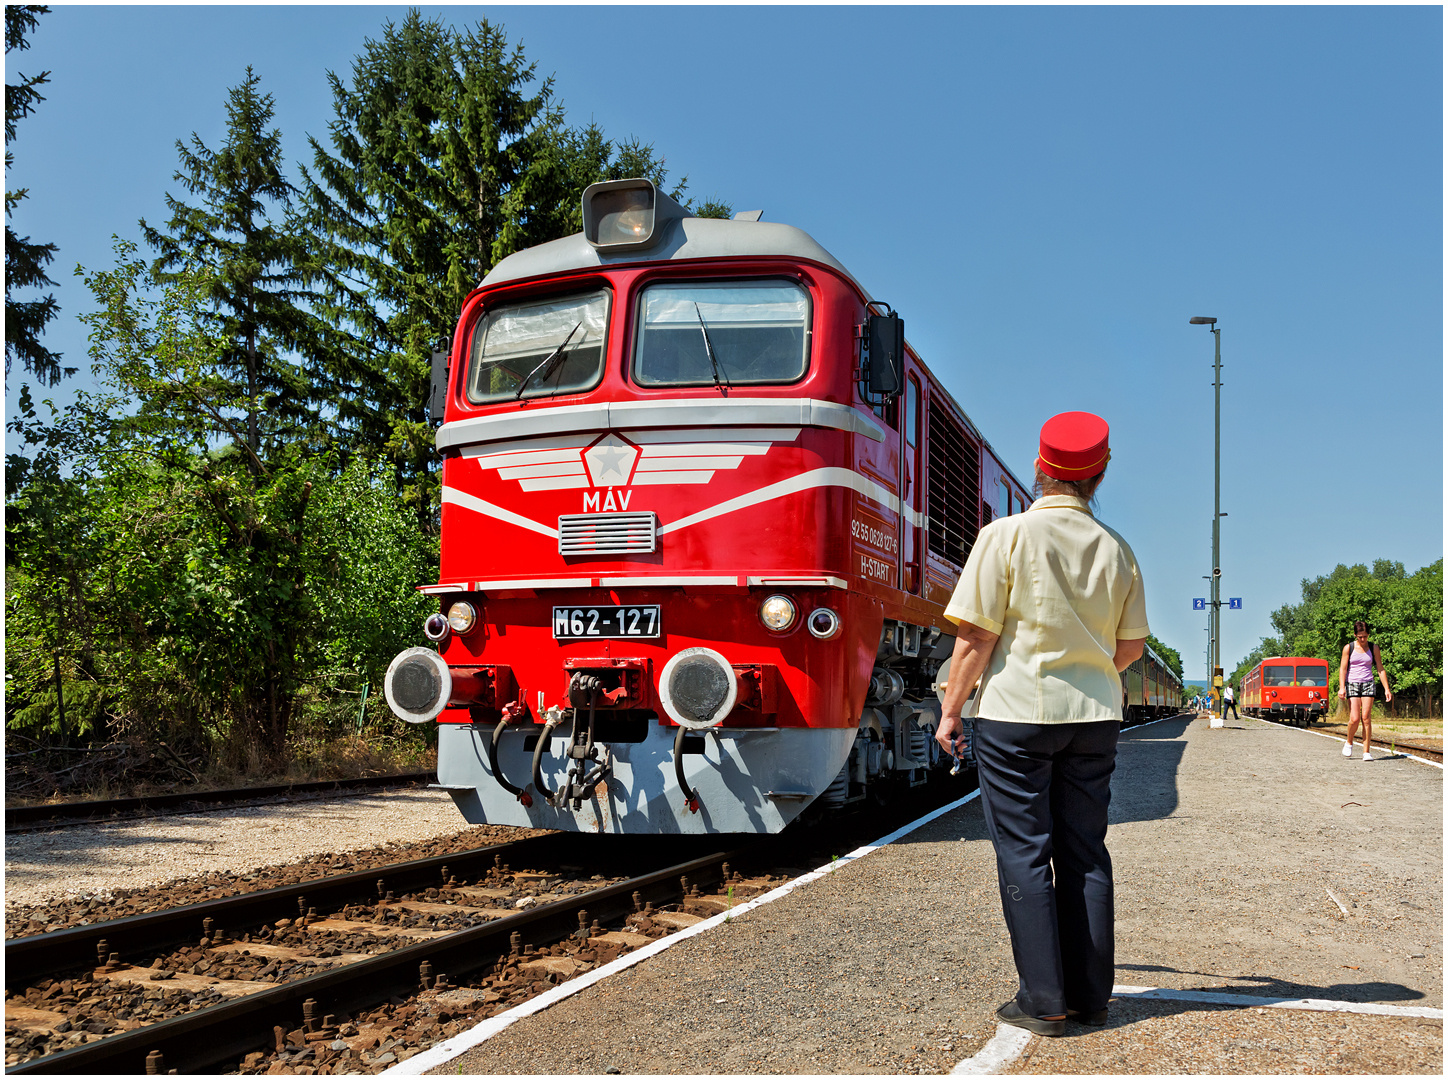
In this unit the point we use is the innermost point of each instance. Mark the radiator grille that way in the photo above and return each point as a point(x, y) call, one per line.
point(607, 534)
point(954, 487)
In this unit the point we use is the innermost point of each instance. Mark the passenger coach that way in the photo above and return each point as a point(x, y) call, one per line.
point(702, 509)
point(1150, 689)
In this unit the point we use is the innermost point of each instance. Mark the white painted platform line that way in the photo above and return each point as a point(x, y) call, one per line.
point(444, 1052)
point(1339, 738)
point(1007, 1044)
point(1010, 1042)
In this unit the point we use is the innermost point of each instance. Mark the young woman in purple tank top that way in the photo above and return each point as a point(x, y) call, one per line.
point(1355, 683)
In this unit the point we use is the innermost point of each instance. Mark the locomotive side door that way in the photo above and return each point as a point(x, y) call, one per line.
point(912, 486)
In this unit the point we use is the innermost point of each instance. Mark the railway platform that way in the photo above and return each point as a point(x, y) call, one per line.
point(1279, 910)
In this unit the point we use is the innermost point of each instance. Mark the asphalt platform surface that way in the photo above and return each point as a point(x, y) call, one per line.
point(1282, 903)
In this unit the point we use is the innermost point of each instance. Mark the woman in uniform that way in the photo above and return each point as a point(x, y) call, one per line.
point(1051, 608)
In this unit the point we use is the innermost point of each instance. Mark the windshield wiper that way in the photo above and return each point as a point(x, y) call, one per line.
point(550, 361)
point(709, 347)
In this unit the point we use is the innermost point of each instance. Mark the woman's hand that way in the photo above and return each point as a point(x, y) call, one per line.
point(1341, 692)
point(948, 733)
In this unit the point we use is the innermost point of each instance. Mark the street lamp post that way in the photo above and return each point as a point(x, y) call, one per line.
point(1216, 659)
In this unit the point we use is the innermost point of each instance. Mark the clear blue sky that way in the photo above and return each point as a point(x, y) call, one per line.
point(1046, 195)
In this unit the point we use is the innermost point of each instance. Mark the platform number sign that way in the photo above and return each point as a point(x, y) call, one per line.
point(1234, 603)
point(1199, 603)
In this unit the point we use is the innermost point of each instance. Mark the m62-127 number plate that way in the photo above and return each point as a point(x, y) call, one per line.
point(641, 620)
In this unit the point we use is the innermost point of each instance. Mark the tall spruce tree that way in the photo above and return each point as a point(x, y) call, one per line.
point(256, 269)
point(25, 261)
point(446, 155)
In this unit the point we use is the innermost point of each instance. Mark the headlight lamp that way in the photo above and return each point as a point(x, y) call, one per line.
point(461, 617)
point(435, 627)
point(777, 612)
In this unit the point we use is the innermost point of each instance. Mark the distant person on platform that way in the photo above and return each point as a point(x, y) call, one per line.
point(1229, 702)
point(1355, 682)
point(1051, 608)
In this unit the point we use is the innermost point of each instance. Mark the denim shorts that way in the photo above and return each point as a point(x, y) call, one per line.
point(1360, 689)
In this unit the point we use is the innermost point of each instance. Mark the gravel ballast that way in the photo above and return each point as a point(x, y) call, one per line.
point(87, 860)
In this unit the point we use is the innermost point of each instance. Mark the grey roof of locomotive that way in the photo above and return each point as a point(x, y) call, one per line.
point(689, 238)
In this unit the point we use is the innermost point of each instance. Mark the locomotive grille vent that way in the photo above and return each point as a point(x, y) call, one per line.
point(607, 534)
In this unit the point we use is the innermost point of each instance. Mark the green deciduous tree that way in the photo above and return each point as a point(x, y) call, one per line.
point(202, 589)
point(1166, 652)
point(25, 260)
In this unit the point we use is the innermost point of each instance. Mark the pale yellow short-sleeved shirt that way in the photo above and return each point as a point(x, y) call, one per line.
point(1059, 588)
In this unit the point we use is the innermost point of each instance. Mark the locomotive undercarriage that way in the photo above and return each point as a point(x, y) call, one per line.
point(895, 745)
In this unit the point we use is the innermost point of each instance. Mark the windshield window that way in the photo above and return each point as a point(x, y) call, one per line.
point(1312, 676)
point(757, 332)
point(517, 345)
point(1277, 675)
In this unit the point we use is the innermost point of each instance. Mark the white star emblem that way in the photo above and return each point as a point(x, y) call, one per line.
point(610, 461)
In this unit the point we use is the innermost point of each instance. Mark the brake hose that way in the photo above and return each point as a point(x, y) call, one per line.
point(523, 796)
point(691, 797)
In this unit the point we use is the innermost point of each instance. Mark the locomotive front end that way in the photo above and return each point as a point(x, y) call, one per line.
point(684, 584)
point(697, 729)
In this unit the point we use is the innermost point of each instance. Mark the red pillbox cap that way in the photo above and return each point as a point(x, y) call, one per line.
point(1074, 445)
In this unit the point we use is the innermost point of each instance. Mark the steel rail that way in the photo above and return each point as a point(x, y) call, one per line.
point(218, 1034)
point(20, 817)
point(38, 955)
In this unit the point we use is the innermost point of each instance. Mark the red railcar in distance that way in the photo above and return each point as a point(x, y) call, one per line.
point(1291, 688)
point(702, 509)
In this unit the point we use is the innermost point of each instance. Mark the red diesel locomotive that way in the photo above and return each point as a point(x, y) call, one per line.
point(702, 510)
point(1291, 688)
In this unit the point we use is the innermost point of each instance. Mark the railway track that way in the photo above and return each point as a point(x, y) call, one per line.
point(405, 955)
point(21, 818)
point(319, 1011)
point(457, 915)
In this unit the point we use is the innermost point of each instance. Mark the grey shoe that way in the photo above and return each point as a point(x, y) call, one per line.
point(1094, 1019)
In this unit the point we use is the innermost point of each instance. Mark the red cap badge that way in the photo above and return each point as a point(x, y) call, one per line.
point(1074, 445)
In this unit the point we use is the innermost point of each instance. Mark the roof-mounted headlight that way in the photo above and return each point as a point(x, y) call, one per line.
point(627, 215)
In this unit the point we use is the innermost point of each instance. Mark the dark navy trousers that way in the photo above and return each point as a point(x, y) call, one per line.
point(1045, 789)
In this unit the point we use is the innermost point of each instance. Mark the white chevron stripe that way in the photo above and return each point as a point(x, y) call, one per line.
point(487, 509)
point(815, 478)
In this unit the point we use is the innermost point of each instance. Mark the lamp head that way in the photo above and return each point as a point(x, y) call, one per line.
point(1202, 320)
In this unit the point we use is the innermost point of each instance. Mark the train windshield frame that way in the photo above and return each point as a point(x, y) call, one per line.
point(737, 332)
point(1311, 674)
point(1277, 674)
point(542, 347)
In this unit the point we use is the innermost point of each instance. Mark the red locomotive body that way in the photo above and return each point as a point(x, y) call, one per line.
point(1292, 688)
point(702, 511)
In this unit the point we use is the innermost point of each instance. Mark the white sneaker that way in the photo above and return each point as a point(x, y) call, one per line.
point(1367, 756)
point(1347, 749)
